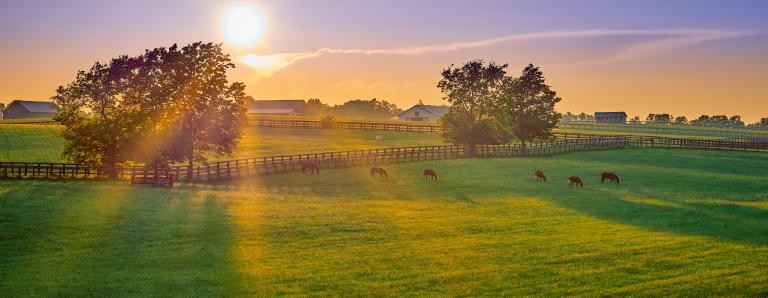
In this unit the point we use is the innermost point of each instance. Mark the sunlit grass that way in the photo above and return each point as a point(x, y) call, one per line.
point(682, 223)
point(42, 143)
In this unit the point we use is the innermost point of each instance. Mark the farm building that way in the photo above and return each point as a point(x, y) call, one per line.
point(19, 109)
point(423, 113)
point(280, 107)
point(611, 117)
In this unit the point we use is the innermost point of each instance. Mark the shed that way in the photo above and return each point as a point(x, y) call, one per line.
point(611, 117)
point(19, 109)
point(423, 113)
point(277, 107)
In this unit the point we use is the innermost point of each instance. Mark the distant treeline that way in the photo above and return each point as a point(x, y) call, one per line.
point(356, 108)
point(734, 121)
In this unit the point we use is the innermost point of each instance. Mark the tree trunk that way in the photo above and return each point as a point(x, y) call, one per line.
point(190, 165)
point(523, 149)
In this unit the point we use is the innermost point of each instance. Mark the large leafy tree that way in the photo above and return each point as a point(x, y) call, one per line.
point(204, 113)
point(527, 103)
point(100, 122)
point(472, 87)
point(472, 91)
point(167, 105)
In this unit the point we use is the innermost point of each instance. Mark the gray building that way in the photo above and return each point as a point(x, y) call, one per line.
point(279, 107)
point(20, 109)
point(423, 113)
point(611, 117)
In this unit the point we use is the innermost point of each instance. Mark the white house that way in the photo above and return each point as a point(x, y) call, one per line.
point(423, 113)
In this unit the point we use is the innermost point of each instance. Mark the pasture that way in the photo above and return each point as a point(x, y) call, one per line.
point(682, 223)
point(42, 143)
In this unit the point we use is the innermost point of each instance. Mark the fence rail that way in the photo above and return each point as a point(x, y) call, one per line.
point(230, 169)
point(296, 123)
point(703, 131)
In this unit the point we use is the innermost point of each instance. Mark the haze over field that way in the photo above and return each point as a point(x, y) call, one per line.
point(682, 57)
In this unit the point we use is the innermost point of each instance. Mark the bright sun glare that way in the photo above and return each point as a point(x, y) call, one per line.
point(242, 24)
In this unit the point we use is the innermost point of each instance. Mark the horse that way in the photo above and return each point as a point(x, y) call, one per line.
point(610, 176)
point(575, 180)
point(430, 173)
point(540, 176)
point(311, 166)
point(380, 171)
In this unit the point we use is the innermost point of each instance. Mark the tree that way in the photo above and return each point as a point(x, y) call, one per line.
point(659, 119)
point(473, 87)
point(315, 107)
point(99, 118)
point(472, 91)
point(735, 121)
point(681, 120)
point(528, 104)
point(568, 117)
point(584, 117)
point(205, 113)
point(635, 120)
point(166, 105)
point(762, 124)
point(368, 109)
point(461, 127)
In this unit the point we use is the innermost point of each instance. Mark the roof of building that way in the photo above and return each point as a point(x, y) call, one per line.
point(610, 114)
point(271, 111)
point(37, 106)
point(437, 111)
point(278, 104)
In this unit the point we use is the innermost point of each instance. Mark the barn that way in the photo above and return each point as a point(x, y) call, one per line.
point(278, 107)
point(423, 113)
point(611, 117)
point(19, 109)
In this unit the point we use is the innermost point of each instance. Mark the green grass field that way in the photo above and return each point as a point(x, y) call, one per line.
point(42, 143)
point(682, 223)
point(687, 131)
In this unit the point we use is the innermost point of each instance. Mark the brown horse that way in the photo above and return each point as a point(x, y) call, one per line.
point(540, 176)
point(610, 176)
point(380, 171)
point(313, 168)
point(575, 180)
point(430, 173)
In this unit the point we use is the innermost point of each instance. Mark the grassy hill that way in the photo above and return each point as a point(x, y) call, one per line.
point(682, 223)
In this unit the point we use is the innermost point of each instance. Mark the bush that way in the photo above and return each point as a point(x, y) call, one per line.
point(460, 127)
point(327, 121)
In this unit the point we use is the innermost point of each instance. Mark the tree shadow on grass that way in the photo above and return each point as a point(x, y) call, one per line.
point(152, 241)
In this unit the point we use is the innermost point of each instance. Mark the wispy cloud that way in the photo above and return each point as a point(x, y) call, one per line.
point(662, 40)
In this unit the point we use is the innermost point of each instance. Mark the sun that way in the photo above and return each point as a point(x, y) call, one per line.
point(242, 24)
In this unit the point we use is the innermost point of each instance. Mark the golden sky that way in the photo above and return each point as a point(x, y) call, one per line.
point(685, 57)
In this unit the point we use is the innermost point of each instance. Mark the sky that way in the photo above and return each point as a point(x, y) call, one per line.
point(681, 57)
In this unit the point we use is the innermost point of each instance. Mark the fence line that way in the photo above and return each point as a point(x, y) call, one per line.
point(230, 169)
point(296, 123)
point(667, 129)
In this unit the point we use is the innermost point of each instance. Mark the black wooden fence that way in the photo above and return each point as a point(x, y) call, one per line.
point(296, 123)
point(230, 169)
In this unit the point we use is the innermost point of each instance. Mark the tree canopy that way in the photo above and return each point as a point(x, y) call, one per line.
point(167, 105)
point(488, 106)
point(528, 104)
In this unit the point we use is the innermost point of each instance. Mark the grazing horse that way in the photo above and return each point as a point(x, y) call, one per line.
point(610, 176)
point(540, 176)
point(575, 180)
point(430, 173)
point(311, 166)
point(380, 171)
